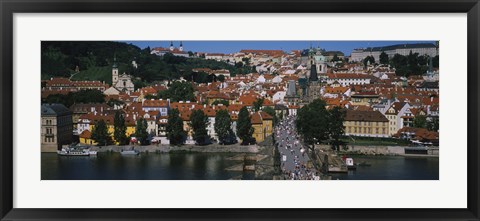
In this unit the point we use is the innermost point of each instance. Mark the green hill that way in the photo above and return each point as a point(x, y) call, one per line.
point(94, 60)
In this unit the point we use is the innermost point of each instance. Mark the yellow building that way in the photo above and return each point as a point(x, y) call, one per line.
point(86, 138)
point(129, 123)
point(262, 124)
point(366, 124)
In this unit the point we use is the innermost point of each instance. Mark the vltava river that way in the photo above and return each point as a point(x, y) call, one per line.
point(211, 166)
point(152, 166)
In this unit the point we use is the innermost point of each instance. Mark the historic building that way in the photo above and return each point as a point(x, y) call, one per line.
point(173, 50)
point(366, 124)
point(123, 82)
point(402, 49)
point(56, 127)
point(291, 96)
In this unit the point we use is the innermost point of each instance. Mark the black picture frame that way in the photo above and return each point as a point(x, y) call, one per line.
point(9, 7)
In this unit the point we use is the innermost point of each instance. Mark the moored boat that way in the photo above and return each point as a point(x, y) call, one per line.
point(76, 151)
point(130, 152)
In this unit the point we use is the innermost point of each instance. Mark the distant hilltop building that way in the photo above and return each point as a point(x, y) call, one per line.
point(402, 49)
point(173, 50)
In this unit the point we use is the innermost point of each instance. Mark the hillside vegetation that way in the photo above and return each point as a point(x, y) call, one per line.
point(94, 60)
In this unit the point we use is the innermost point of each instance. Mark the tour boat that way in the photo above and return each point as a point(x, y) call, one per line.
point(129, 152)
point(75, 151)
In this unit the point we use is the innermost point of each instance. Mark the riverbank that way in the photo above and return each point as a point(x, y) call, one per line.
point(379, 151)
point(212, 148)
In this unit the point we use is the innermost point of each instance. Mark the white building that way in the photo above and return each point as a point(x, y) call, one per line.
point(402, 49)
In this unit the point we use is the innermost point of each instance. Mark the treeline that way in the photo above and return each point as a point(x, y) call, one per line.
point(83, 96)
point(62, 58)
point(412, 64)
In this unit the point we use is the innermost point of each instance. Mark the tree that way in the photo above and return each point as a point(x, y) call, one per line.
point(221, 78)
point(119, 133)
point(244, 126)
point(313, 122)
point(257, 105)
point(178, 91)
point(100, 134)
point(420, 121)
point(367, 59)
point(141, 132)
point(335, 58)
point(246, 61)
point(223, 126)
point(175, 132)
point(433, 124)
point(336, 128)
point(384, 58)
point(198, 122)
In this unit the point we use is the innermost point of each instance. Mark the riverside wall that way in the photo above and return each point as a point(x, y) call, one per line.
point(377, 150)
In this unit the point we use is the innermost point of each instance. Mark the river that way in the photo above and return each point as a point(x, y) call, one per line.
point(211, 166)
point(166, 166)
point(392, 168)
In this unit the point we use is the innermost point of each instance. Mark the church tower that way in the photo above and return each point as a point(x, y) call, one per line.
point(171, 46)
point(181, 46)
point(114, 71)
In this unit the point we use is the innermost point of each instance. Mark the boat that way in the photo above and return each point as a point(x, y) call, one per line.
point(350, 164)
point(130, 152)
point(76, 151)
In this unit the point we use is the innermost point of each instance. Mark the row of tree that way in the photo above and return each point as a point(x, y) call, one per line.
point(199, 121)
point(102, 136)
point(82, 96)
point(412, 64)
point(175, 128)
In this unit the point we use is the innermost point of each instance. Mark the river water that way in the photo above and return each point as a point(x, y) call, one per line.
point(166, 166)
point(211, 166)
point(392, 168)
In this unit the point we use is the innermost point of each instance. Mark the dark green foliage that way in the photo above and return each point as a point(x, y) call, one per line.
point(221, 78)
point(141, 131)
point(313, 122)
point(384, 58)
point(83, 96)
point(257, 105)
point(95, 59)
point(100, 134)
point(175, 132)
point(420, 121)
point(335, 58)
point(223, 127)
point(433, 124)
point(112, 102)
point(336, 128)
point(370, 59)
point(198, 122)
point(412, 64)
point(120, 129)
point(244, 126)
point(178, 91)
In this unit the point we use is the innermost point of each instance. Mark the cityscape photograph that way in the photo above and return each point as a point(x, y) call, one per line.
point(240, 110)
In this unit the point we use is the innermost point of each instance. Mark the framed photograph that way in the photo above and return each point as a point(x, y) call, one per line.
point(260, 110)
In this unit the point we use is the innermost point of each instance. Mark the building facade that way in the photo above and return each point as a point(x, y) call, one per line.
point(56, 127)
point(365, 124)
